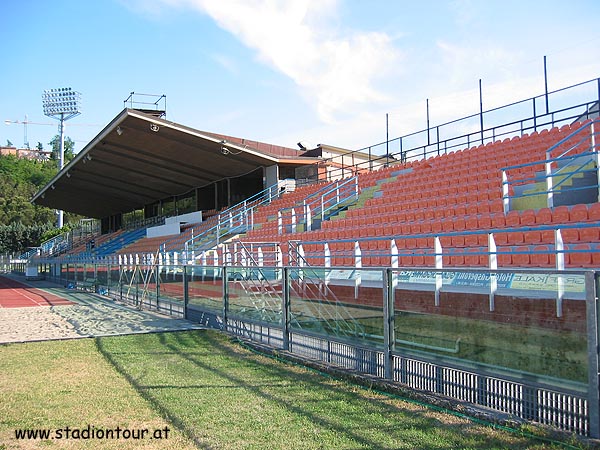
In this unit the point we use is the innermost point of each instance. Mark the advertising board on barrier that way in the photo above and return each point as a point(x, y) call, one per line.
point(505, 280)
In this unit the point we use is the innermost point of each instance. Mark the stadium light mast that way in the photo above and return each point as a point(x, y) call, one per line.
point(61, 104)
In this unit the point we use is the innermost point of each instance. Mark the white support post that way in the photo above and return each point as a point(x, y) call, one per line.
point(216, 264)
point(394, 262)
point(203, 262)
point(173, 269)
point(260, 257)
point(394, 252)
point(549, 183)
point(308, 216)
point(327, 264)
point(279, 262)
point(293, 227)
point(260, 261)
point(358, 266)
point(279, 222)
point(493, 261)
point(560, 265)
point(505, 198)
point(439, 264)
point(301, 259)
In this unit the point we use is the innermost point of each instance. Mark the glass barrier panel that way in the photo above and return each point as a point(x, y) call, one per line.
point(205, 287)
point(166, 282)
point(254, 294)
point(523, 328)
point(345, 303)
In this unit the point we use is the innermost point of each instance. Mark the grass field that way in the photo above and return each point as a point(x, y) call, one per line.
point(211, 392)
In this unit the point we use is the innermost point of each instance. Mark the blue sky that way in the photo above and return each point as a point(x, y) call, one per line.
point(318, 71)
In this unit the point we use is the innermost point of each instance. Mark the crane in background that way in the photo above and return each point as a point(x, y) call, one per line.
point(27, 122)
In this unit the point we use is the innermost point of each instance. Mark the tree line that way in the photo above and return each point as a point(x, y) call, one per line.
point(23, 224)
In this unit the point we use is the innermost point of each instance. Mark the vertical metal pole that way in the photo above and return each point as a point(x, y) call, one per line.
point(108, 280)
point(61, 160)
point(481, 110)
point(439, 264)
point(186, 292)
point(546, 84)
point(389, 332)
point(387, 141)
point(493, 263)
point(225, 296)
point(285, 309)
point(560, 265)
point(591, 284)
point(428, 140)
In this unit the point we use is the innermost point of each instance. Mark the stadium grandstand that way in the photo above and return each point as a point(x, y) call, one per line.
point(460, 263)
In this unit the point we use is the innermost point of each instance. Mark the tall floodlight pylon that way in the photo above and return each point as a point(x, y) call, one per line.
point(61, 104)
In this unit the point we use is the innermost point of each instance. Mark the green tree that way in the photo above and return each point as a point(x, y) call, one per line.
point(39, 146)
point(8, 143)
point(69, 148)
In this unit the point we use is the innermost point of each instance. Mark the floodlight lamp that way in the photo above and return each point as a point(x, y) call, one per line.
point(119, 131)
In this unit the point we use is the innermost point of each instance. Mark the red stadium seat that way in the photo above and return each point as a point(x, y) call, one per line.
point(560, 214)
point(513, 219)
point(579, 255)
point(570, 235)
point(540, 258)
point(578, 213)
point(543, 216)
point(594, 212)
point(589, 234)
point(532, 237)
point(521, 256)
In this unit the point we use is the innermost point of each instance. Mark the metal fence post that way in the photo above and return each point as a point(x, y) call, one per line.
point(224, 275)
point(389, 334)
point(108, 275)
point(592, 304)
point(186, 294)
point(285, 308)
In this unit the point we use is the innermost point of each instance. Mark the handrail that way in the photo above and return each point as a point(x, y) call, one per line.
point(318, 203)
point(587, 142)
point(241, 213)
point(537, 120)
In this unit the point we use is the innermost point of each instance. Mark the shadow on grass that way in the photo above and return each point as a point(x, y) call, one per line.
point(327, 409)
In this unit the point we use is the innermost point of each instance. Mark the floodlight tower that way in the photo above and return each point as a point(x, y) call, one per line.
point(61, 104)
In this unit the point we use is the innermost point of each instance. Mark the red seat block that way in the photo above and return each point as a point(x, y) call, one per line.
point(521, 256)
point(578, 213)
point(579, 256)
point(560, 214)
point(513, 219)
point(540, 258)
point(594, 212)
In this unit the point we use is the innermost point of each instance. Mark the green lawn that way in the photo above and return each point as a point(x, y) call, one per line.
point(213, 393)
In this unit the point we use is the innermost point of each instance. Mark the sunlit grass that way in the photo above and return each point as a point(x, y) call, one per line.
point(213, 393)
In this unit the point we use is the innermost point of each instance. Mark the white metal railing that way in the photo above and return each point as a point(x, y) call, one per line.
point(320, 205)
point(573, 156)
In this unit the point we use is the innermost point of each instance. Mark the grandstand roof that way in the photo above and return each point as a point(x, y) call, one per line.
point(138, 159)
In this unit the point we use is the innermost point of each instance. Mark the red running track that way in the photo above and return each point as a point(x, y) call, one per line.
point(14, 294)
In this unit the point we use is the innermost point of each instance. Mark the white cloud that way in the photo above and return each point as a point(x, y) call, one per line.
point(336, 72)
